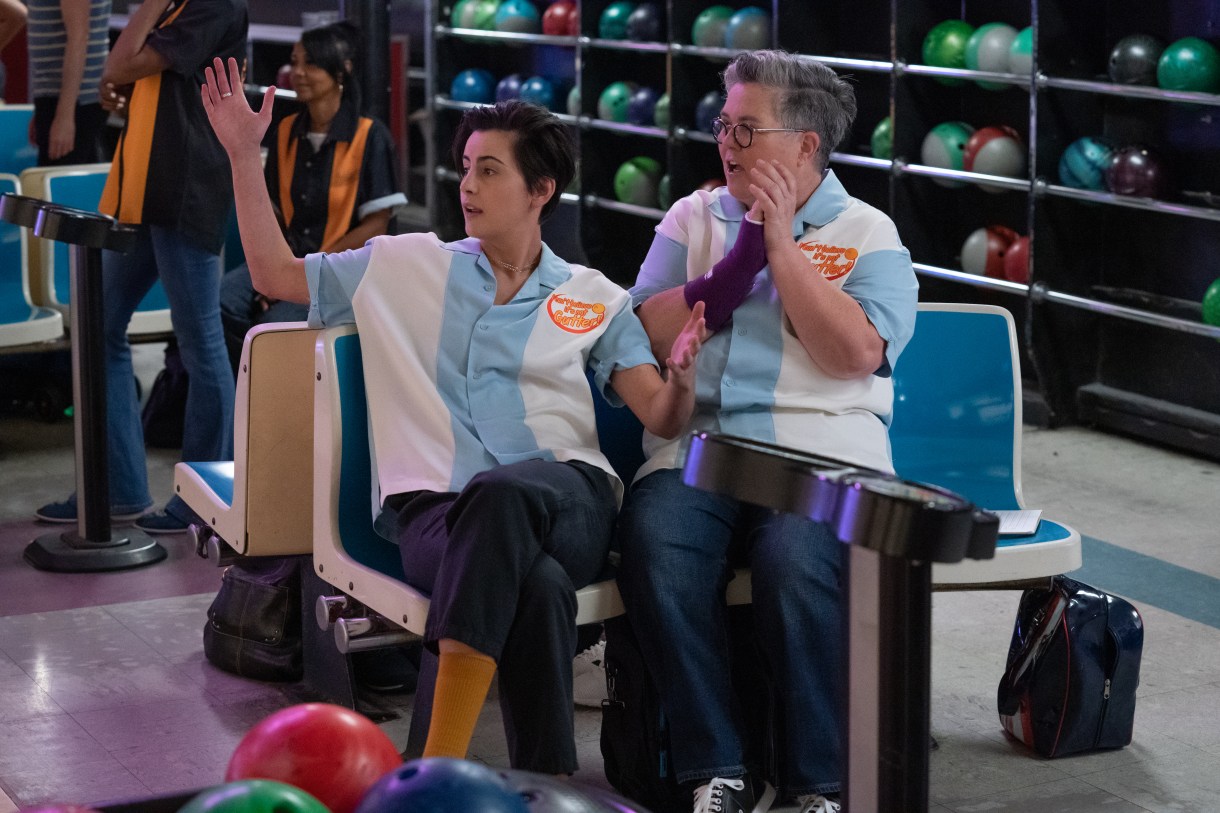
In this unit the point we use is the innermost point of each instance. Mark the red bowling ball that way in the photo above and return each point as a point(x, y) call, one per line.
point(328, 751)
point(995, 151)
point(1016, 261)
point(561, 19)
point(984, 250)
point(283, 77)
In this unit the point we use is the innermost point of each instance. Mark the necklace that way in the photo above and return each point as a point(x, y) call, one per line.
point(516, 269)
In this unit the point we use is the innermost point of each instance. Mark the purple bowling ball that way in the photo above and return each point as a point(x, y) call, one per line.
point(641, 107)
point(509, 87)
point(1137, 171)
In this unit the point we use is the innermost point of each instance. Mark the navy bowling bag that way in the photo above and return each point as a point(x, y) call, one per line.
point(1073, 668)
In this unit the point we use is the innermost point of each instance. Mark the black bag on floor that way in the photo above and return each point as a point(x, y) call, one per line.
point(254, 623)
point(164, 412)
point(635, 735)
point(1073, 668)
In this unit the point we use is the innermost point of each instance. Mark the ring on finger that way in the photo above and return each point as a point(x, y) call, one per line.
point(226, 94)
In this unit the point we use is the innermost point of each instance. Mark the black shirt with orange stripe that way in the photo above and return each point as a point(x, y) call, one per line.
point(169, 170)
point(322, 195)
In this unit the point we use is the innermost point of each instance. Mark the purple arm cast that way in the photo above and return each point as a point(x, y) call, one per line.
point(730, 281)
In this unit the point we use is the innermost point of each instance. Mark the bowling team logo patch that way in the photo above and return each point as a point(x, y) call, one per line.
point(573, 315)
point(831, 262)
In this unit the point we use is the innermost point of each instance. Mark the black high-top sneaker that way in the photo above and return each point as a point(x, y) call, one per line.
point(736, 795)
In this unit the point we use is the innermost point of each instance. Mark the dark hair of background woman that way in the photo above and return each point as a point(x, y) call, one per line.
point(329, 47)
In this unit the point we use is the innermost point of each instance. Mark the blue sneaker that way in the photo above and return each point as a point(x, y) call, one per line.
point(65, 513)
point(162, 522)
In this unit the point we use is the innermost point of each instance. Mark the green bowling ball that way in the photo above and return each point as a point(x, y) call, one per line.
point(612, 25)
point(663, 192)
point(1189, 64)
point(1021, 52)
point(710, 26)
point(573, 103)
point(479, 14)
point(638, 181)
point(882, 142)
point(253, 796)
point(945, 47)
point(1211, 304)
point(613, 102)
point(660, 113)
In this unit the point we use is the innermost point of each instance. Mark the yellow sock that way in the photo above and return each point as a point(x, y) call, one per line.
point(462, 682)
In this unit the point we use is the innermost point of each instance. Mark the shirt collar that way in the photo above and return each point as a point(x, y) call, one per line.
point(342, 126)
point(825, 204)
point(552, 271)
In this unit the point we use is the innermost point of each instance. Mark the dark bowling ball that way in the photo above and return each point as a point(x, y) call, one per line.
point(546, 794)
point(1134, 59)
point(642, 106)
point(1137, 171)
point(644, 24)
point(441, 785)
point(707, 110)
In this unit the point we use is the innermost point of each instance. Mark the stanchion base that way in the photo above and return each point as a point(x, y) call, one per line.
point(67, 553)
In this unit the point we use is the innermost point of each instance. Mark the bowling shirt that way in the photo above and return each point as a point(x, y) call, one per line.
point(754, 378)
point(169, 169)
point(457, 385)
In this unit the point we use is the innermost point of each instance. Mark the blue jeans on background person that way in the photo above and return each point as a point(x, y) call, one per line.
point(191, 278)
point(679, 547)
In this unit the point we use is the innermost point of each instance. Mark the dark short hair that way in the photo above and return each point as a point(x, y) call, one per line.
point(330, 47)
point(542, 148)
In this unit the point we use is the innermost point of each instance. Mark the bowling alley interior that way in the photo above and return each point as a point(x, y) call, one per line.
point(1019, 484)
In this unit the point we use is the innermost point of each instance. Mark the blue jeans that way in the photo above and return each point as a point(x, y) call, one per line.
point(191, 279)
point(679, 546)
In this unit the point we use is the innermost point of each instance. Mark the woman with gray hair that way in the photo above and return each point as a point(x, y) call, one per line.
point(810, 297)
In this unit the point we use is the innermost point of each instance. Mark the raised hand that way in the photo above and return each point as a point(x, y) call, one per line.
point(681, 361)
point(237, 126)
point(774, 191)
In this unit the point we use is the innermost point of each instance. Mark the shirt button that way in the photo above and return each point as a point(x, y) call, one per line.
point(305, 231)
point(477, 375)
point(309, 163)
point(741, 331)
point(728, 382)
point(482, 327)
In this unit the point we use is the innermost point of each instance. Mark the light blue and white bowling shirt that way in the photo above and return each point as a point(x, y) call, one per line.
point(754, 377)
point(457, 385)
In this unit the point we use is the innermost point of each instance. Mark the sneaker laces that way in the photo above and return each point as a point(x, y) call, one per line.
point(817, 803)
point(709, 798)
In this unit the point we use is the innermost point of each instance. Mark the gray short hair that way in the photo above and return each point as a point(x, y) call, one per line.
point(811, 95)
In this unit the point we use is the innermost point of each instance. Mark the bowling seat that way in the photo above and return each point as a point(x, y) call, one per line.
point(21, 321)
point(79, 186)
point(258, 504)
point(957, 424)
point(16, 151)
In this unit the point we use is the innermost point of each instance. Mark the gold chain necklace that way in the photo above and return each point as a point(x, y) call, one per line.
point(516, 269)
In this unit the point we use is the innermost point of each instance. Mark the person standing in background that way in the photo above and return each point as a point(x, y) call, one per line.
point(170, 177)
point(12, 20)
point(68, 44)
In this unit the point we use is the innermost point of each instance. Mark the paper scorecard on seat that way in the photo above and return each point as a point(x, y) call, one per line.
point(1019, 523)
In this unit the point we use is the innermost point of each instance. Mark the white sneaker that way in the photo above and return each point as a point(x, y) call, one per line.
point(817, 803)
point(589, 676)
point(721, 795)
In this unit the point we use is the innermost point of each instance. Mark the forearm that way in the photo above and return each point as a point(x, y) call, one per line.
point(12, 20)
point(273, 270)
point(829, 323)
point(664, 406)
point(76, 25)
point(130, 59)
point(663, 316)
point(373, 225)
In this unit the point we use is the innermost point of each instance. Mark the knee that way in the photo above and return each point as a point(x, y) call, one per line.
point(547, 592)
point(494, 489)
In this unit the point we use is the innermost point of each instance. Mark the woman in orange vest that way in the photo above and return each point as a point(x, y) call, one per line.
point(330, 173)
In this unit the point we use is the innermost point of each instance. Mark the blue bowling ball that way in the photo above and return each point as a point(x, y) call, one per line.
point(473, 85)
point(641, 107)
point(509, 88)
point(645, 23)
point(538, 90)
point(518, 17)
point(748, 29)
point(440, 785)
point(708, 110)
point(1083, 164)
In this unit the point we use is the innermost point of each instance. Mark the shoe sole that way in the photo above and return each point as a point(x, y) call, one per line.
point(163, 531)
point(120, 518)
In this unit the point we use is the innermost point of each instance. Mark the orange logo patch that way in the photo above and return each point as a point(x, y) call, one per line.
point(831, 262)
point(573, 315)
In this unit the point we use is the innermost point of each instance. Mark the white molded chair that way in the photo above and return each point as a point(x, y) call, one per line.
point(21, 321)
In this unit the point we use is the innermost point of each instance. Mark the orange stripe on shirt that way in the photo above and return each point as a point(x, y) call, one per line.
point(123, 196)
point(286, 153)
point(344, 183)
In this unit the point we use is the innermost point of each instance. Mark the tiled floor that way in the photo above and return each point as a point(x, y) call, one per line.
point(115, 700)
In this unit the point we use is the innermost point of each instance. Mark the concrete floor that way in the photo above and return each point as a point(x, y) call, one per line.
point(1150, 518)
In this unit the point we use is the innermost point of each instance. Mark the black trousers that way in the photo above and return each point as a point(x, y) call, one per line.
point(90, 119)
point(502, 561)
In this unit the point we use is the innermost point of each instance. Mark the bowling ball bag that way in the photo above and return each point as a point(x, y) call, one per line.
point(1073, 668)
point(254, 623)
point(635, 734)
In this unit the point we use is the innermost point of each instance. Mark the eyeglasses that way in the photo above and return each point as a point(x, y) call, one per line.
point(743, 133)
